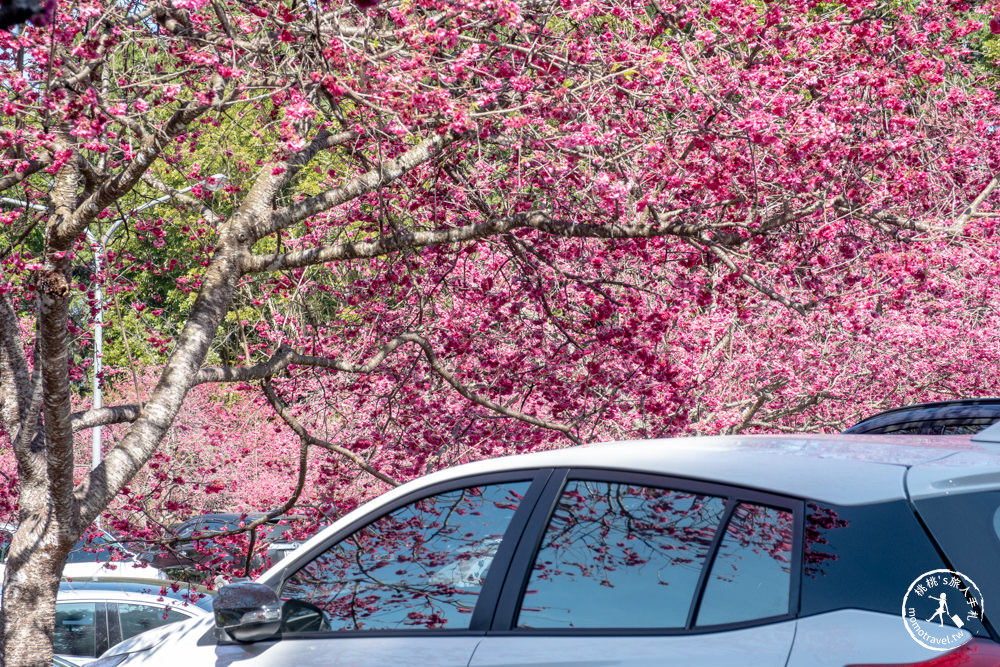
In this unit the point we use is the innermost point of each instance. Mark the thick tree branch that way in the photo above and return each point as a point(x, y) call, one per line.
point(321, 142)
point(123, 182)
point(307, 438)
point(34, 166)
point(538, 220)
point(15, 381)
point(285, 357)
point(382, 175)
point(105, 416)
point(54, 292)
point(973, 208)
point(274, 177)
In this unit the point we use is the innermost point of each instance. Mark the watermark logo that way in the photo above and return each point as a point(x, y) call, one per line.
point(937, 605)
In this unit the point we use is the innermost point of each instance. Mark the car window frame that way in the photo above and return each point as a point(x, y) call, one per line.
point(102, 631)
point(493, 585)
point(519, 571)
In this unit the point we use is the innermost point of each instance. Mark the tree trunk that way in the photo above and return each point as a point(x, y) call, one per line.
point(34, 567)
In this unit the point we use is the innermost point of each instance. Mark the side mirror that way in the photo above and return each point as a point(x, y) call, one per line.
point(246, 612)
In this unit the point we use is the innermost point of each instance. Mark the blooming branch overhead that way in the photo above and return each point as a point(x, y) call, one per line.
point(423, 232)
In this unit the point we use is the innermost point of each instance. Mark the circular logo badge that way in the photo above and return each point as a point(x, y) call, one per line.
point(938, 605)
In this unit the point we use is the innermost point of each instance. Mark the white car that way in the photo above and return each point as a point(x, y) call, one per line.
point(92, 615)
point(98, 554)
point(770, 551)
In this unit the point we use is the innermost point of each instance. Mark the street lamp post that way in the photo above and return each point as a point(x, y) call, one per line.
point(214, 183)
point(99, 246)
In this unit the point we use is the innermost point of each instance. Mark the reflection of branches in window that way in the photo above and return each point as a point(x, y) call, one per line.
point(441, 550)
point(760, 529)
point(427, 507)
point(755, 529)
point(599, 527)
point(363, 596)
point(819, 522)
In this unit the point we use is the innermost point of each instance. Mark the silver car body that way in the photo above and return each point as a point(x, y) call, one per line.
point(839, 469)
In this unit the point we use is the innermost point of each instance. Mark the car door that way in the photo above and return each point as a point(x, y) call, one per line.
point(626, 569)
point(416, 585)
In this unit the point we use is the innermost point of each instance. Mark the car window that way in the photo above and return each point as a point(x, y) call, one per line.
point(419, 567)
point(751, 573)
point(76, 629)
point(188, 529)
point(620, 555)
point(5, 540)
point(972, 544)
point(136, 618)
point(90, 549)
point(216, 525)
point(862, 557)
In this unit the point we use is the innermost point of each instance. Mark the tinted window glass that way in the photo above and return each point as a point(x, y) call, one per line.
point(862, 557)
point(76, 632)
point(136, 618)
point(619, 555)
point(967, 527)
point(91, 549)
point(751, 573)
point(421, 566)
point(186, 530)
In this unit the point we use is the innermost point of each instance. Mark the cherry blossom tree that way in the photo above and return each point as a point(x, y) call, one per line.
point(457, 229)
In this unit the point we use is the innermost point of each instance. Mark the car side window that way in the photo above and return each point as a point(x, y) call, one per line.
point(190, 529)
point(90, 549)
point(137, 618)
point(76, 629)
point(420, 567)
point(751, 574)
point(619, 555)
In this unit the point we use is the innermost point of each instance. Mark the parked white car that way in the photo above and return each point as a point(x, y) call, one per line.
point(92, 615)
point(769, 551)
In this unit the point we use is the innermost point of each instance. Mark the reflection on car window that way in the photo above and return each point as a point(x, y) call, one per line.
point(751, 574)
point(421, 566)
point(76, 632)
point(619, 555)
point(91, 549)
point(5, 540)
point(861, 556)
point(137, 618)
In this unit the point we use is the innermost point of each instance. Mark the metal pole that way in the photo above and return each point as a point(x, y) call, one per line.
point(214, 183)
point(99, 245)
point(95, 451)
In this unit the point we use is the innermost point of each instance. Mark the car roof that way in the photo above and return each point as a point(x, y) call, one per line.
point(838, 469)
point(234, 518)
point(104, 595)
point(957, 417)
point(174, 593)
